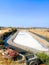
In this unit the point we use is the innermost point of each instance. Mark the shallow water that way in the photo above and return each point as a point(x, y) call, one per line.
point(5, 41)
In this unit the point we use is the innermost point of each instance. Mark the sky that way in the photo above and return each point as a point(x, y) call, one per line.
point(24, 13)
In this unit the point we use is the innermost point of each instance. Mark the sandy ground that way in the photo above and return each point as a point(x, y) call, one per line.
point(4, 30)
point(24, 38)
point(43, 32)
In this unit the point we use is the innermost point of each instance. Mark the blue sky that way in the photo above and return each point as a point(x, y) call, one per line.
point(24, 13)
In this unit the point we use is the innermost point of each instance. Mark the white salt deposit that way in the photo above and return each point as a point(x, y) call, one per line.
point(26, 39)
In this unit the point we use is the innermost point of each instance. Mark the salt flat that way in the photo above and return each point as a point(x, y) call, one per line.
point(26, 39)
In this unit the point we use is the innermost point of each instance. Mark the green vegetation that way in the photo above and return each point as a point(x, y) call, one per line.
point(2, 47)
point(4, 36)
point(44, 58)
point(13, 30)
point(1, 41)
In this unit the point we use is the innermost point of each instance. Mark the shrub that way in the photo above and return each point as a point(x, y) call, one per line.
point(44, 58)
point(1, 41)
point(2, 47)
